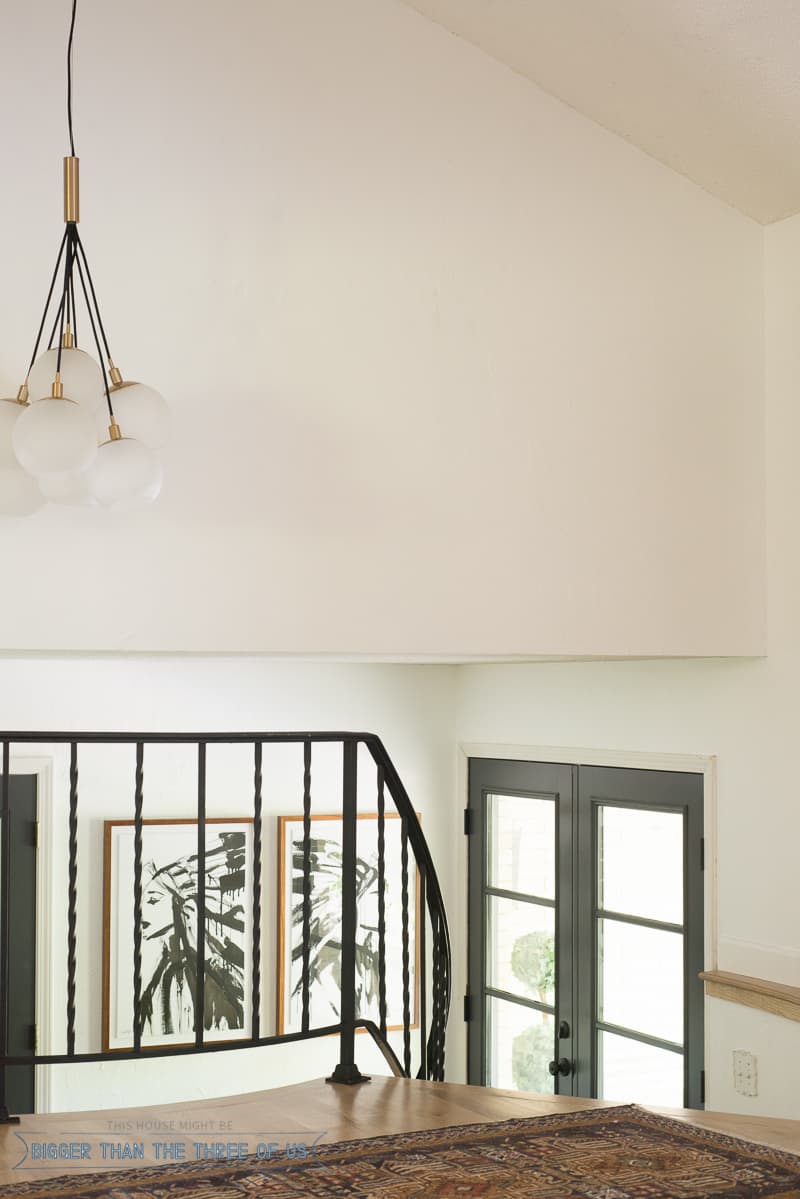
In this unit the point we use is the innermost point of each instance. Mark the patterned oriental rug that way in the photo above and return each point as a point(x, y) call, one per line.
point(612, 1153)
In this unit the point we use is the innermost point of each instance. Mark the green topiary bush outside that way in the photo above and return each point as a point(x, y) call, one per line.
point(531, 1052)
point(533, 964)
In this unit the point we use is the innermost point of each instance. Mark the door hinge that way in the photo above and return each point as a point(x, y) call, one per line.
point(702, 853)
point(702, 1086)
point(467, 821)
point(35, 1038)
point(36, 834)
point(467, 1008)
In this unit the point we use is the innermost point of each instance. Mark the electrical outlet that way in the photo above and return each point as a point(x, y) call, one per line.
point(745, 1076)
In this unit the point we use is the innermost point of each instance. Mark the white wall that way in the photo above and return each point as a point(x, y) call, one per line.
point(454, 370)
point(411, 707)
point(746, 713)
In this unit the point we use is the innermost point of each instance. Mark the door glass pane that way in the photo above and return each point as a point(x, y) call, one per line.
point(521, 833)
point(640, 979)
point(520, 1044)
point(520, 948)
point(631, 1072)
point(640, 863)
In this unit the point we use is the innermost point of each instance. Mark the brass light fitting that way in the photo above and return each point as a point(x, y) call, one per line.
point(72, 190)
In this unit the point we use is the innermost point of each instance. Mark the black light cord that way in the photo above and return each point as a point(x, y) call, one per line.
point(47, 302)
point(74, 308)
point(68, 296)
point(69, 77)
point(106, 388)
point(82, 253)
point(65, 293)
point(56, 322)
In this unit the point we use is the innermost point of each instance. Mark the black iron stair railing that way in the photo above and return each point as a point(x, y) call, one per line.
point(432, 974)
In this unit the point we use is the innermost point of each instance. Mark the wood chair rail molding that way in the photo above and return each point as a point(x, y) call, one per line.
point(776, 998)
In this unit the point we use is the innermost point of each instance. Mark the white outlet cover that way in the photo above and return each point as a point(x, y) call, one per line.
point(745, 1074)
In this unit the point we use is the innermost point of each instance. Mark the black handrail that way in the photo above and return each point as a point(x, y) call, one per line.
point(432, 1040)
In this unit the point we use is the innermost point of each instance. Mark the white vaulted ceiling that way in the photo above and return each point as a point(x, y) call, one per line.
point(711, 88)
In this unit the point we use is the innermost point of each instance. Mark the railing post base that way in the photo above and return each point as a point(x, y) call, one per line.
point(349, 1075)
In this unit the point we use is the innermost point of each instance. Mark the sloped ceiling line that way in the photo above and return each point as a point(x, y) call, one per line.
point(712, 90)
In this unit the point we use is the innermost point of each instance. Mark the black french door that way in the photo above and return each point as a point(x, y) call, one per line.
point(586, 931)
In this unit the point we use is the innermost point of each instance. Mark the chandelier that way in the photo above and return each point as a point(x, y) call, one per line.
point(77, 433)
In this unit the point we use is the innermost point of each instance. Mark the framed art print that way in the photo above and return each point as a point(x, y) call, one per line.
point(326, 921)
point(170, 931)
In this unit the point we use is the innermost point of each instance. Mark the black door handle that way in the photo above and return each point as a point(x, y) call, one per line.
point(562, 1066)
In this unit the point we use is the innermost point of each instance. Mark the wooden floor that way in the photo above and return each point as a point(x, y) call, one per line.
point(301, 1113)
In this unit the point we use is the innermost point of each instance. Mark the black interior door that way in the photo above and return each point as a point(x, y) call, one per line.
point(22, 945)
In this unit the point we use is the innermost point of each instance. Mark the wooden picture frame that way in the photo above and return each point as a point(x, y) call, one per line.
point(326, 841)
point(169, 881)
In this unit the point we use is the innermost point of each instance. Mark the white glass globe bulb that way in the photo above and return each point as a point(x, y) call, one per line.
point(141, 413)
point(19, 493)
point(125, 474)
point(81, 377)
point(9, 411)
point(53, 437)
point(70, 489)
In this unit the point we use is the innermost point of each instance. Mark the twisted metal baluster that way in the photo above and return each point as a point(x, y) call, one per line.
point(434, 996)
point(442, 1012)
point(257, 784)
point(405, 951)
point(306, 977)
point(422, 981)
point(137, 897)
point(72, 905)
point(436, 1044)
point(381, 901)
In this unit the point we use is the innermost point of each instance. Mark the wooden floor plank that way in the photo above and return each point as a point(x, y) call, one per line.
point(386, 1105)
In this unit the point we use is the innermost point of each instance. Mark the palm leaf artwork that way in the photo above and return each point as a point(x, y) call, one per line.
point(325, 926)
point(170, 923)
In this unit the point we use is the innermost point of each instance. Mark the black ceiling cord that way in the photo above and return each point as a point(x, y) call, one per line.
point(69, 77)
point(47, 303)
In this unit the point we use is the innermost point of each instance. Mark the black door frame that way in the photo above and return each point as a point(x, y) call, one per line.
point(599, 784)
